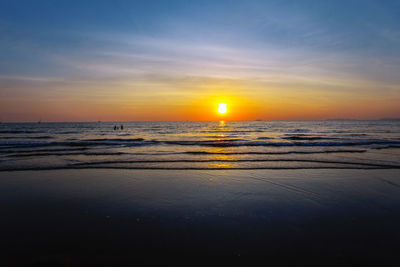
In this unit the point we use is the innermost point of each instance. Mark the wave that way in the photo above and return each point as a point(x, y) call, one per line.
point(5, 151)
point(188, 168)
point(308, 138)
point(237, 160)
point(354, 166)
point(355, 134)
point(83, 143)
point(301, 130)
point(23, 155)
point(27, 137)
point(210, 143)
point(113, 140)
point(18, 131)
point(388, 147)
point(275, 153)
point(280, 144)
point(81, 151)
point(68, 132)
point(223, 138)
point(24, 144)
point(231, 131)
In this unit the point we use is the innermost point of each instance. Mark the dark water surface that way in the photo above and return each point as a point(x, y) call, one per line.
point(201, 145)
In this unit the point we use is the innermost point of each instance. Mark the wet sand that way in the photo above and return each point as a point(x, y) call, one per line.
point(153, 217)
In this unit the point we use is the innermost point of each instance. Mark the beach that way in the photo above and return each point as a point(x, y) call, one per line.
point(200, 133)
point(200, 217)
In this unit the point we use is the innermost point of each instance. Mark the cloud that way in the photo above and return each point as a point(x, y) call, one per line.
point(255, 49)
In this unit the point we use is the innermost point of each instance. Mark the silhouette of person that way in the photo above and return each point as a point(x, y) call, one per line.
point(122, 127)
point(115, 127)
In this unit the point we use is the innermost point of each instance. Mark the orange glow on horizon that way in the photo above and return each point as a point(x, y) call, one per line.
point(271, 103)
point(217, 108)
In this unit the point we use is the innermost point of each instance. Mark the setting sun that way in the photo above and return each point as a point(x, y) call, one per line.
point(222, 108)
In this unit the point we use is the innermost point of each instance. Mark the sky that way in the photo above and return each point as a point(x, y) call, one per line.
point(176, 60)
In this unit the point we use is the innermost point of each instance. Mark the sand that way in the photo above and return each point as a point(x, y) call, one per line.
point(153, 217)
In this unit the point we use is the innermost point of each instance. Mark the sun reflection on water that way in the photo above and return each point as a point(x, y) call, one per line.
point(217, 152)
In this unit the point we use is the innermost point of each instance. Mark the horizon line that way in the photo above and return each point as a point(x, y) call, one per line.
point(98, 121)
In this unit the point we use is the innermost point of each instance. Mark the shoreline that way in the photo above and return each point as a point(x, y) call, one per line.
point(202, 169)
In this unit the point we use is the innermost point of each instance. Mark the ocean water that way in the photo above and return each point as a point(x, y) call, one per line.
point(201, 145)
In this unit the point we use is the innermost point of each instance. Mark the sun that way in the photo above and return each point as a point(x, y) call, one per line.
point(222, 108)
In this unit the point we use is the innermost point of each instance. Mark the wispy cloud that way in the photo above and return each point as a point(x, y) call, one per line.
point(256, 49)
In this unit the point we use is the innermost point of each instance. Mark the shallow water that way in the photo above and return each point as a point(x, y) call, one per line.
point(201, 145)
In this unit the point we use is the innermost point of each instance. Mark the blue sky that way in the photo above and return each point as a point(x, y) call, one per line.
point(65, 52)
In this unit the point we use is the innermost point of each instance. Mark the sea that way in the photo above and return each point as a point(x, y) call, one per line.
point(329, 144)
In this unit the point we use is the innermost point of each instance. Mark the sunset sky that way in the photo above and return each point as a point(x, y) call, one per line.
point(176, 60)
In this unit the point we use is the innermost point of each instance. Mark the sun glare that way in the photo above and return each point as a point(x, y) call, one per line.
point(222, 108)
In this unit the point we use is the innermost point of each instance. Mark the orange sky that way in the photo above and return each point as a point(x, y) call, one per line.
point(253, 103)
point(267, 60)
